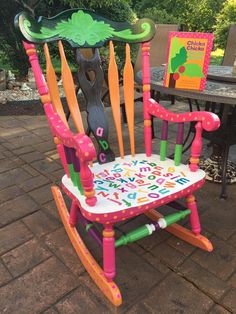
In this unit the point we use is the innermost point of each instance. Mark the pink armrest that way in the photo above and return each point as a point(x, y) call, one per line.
point(81, 142)
point(210, 121)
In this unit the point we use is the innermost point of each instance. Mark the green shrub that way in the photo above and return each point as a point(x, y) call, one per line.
point(225, 18)
point(160, 16)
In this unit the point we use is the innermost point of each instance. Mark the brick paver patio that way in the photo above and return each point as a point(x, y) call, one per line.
point(40, 272)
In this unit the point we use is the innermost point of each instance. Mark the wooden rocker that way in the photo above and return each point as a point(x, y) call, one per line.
point(112, 189)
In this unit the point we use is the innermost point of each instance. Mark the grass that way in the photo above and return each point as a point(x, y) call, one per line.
point(217, 56)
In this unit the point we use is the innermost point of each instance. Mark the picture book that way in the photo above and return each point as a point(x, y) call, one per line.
point(188, 57)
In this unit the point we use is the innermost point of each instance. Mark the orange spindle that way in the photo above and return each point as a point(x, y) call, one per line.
point(69, 87)
point(53, 87)
point(129, 97)
point(113, 82)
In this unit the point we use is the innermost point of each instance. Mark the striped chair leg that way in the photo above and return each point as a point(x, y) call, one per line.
point(109, 266)
point(73, 218)
point(194, 217)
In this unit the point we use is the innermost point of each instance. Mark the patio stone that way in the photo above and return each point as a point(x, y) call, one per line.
point(22, 141)
point(36, 122)
point(42, 194)
point(176, 295)
point(232, 240)
point(11, 177)
point(10, 192)
point(8, 164)
point(23, 150)
point(60, 245)
point(41, 223)
point(25, 257)
point(2, 156)
point(220, 262)
point(17, 208)
point(82, 300)
point(135, 276)
point(157, 263)
point(37, 289)
point(34, 183)
point(13, 235)
point(51, 209)
point(5, 276)
point(45, 146)
point(232, 280)
point(30, 170)
point(57, 175)
point(12, 132)
point(168, 255)
point(203, 279)
point(45, 166)
point(229, 300)
point(42, 132)
point(32, 156)
point(139, 308)
point(181, 246)
point(8, 153)
point(51, 310)
point(213, 217)
point(11, 123)
point(217, 309)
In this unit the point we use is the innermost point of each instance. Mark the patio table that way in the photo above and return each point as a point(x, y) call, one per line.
point(220, 97)
point(221, 73)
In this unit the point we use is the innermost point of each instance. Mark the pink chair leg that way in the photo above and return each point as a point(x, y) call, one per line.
point(194, 218)
point(73, 218)
point(109, 266)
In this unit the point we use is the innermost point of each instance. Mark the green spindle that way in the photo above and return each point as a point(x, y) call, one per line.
point(163, 149)
point(178, 154)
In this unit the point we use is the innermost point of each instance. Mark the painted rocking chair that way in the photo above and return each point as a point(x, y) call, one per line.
point(112, 189)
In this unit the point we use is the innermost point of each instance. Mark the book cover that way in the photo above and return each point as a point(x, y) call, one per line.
point(188, 57)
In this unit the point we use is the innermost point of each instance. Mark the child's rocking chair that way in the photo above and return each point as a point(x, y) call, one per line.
point(113, 189)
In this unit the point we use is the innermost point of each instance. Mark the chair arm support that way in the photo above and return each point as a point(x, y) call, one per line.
point(209, 120)
point(81, 142)
point(85, 150)
point(204, 120)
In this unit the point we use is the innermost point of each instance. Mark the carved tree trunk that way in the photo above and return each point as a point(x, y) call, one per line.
point(172, 81)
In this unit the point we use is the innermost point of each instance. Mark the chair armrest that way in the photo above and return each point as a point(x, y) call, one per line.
point(204, 120)
point(84, 147)
point(209, 120)
point(81, 142)
point(85, 150)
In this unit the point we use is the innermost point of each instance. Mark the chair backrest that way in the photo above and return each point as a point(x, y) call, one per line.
point(159, 44)
point(230, 49)
point(84, 29)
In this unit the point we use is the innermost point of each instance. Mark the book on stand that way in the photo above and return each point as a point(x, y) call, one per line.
point(188, 57)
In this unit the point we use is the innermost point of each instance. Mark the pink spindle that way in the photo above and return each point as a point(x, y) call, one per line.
point(146, 97)
point(38, 74)
point(73, 218)
point(86, 178)
point(109, 266)
point(196, 148)
point(194, 218)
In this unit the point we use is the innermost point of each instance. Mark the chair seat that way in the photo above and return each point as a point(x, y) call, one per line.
point(136, 183)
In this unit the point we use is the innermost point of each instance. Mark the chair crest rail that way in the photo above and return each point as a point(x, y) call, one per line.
point(69, 25)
